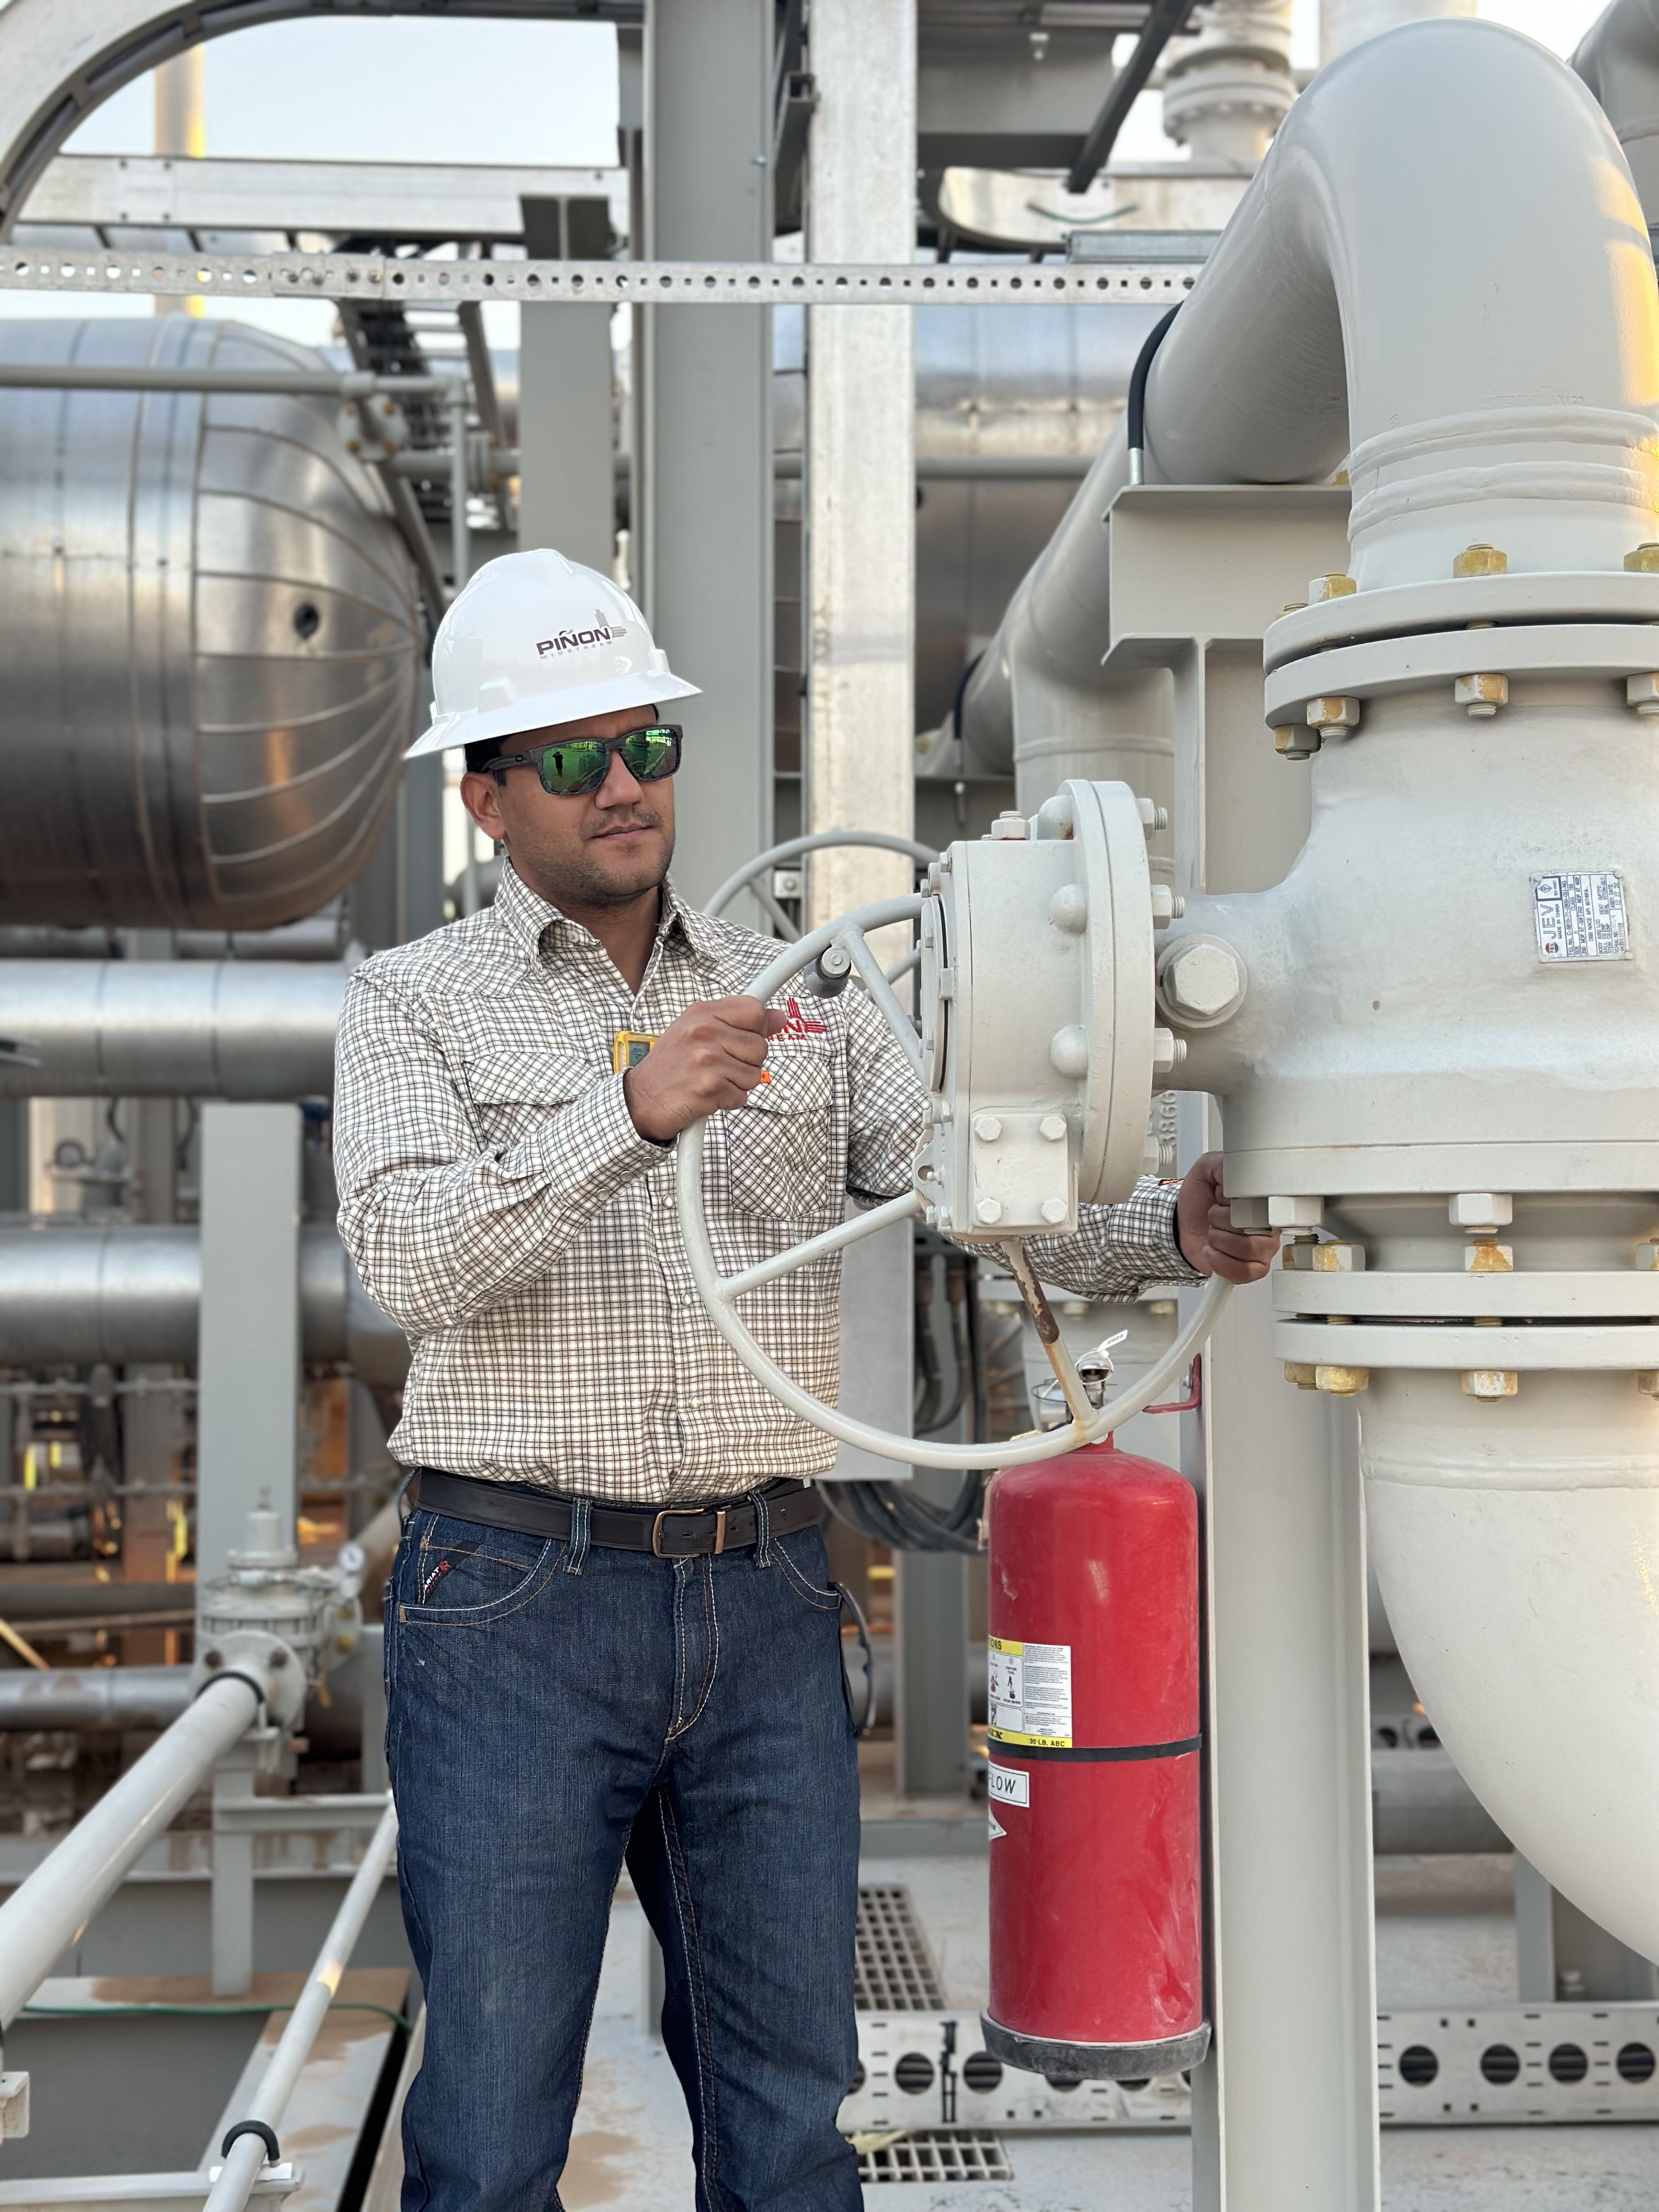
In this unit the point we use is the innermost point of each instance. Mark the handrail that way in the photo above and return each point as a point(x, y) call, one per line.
point(46, 1914)
point(245, 2152)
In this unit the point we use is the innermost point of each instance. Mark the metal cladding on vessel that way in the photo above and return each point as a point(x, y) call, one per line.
point(213, 634)
point(1097, 1951)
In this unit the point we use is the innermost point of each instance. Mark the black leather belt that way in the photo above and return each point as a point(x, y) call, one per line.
point(678, 1532)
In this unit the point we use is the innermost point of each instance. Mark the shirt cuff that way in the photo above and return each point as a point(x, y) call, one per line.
point(1163, 1199)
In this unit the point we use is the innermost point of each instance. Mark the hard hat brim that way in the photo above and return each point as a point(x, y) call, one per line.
point(611, 695)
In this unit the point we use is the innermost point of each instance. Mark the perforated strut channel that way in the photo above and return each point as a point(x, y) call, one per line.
point(706, 283)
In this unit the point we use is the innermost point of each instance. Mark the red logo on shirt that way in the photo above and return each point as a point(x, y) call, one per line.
point(796, 1025)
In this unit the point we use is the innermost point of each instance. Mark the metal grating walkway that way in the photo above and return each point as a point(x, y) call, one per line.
point(893, 1969)
point(964, 2155)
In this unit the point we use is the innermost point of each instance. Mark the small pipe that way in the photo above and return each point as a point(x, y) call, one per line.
point(246, 2154)
point(47, 1912)
point(1164, 19)
point(108, 1697)
point(296, 383)
point(460, 556)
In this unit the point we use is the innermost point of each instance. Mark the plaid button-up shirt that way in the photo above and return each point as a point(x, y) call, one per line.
point(501, 1205)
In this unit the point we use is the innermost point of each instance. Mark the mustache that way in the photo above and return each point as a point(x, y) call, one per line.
point(637, 818)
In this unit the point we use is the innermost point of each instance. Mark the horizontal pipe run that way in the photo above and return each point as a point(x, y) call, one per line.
point(243, 2161)
point(168, 1029)
point(129, 1294)
point(103, 1697)
point(46, 1914)
point(298, 384)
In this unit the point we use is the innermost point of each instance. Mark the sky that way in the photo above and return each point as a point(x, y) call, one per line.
point(407, 89)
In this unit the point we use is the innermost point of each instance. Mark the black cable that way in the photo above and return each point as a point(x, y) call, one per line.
point(1135, 413)
point(930, 1376)
point(1164, 19)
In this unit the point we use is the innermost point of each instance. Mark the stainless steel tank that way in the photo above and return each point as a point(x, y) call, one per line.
point(210, 641)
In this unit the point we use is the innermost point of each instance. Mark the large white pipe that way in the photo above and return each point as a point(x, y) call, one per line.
point(44, 1915)
point(1618, 59)
point(1442, 275)
point(1406, 286)
point(147, 1028)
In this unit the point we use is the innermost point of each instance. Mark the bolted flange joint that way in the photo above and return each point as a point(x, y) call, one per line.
point(261, 1659)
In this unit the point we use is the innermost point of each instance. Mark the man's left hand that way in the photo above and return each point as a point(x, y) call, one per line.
point(1204, 1231)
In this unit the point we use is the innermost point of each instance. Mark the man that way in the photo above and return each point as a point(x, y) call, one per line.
point(575, 1672)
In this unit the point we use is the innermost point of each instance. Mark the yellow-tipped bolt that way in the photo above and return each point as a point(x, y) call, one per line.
point(1486, 1256)
point(1480, 561)
point(1332, 716)
point(1490, 1382)
point(1291, 743)
point(1342, 1382)
point(1644, 561)
point(1330, 587)
point(1481, 694)
point(1300, 1371)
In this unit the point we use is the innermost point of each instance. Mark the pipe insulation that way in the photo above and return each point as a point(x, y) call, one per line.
point(1475, 343)
point(1618, 59)
point(130, 1294)
point(158, 1029)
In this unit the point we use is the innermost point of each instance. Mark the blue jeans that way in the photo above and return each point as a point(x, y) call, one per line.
point(553, 1709)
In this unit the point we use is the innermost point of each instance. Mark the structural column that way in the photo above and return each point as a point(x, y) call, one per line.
point(248, 1428)
point(704, 567)
point(567, 474)
point(861, 453)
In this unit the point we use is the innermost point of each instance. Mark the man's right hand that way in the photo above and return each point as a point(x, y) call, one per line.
point(712, 1057)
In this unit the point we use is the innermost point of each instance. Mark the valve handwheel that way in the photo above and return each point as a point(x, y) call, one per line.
point(721, 1293)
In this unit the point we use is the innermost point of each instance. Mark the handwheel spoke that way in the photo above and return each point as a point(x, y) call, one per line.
point(882, 995)
point(833, 1240)
point(912, 959)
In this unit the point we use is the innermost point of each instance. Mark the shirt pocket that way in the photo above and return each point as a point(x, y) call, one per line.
point(512, 1092)
point(777, 1146)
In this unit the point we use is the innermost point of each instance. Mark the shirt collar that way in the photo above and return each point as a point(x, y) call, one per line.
point(527, 918)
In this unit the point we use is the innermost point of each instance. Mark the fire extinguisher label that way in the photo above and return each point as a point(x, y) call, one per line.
point(1029, 1696)
point(1006, 1787)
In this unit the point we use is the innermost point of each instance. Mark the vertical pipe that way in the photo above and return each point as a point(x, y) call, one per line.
point(460, 558)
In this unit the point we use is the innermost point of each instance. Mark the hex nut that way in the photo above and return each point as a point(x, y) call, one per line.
point(1489, 1383)
point(1301, 1372)
point(989, 1210)
point(1334, 586)
point(1332, 714)
point(988, 1128)
point(1053, 1209)
point(1480, 561)
point(1009, 824)
point(1644, 561)
point(1342, 1382)
point(1481, 696)
point(1339, 1258)
point(1202, 979)
point(1292, 742)
point(1642, 692)
point(1052, 1126)
point(1479, 1209)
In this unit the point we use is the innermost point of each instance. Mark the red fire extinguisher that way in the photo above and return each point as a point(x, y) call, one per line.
point(1096, 1962)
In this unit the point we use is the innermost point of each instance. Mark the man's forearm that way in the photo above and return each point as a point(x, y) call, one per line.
point(1117, 1250)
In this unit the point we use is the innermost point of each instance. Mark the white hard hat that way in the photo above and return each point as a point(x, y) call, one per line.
point(535, 639)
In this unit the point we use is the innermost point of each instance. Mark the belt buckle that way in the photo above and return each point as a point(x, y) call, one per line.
point(686, 1512)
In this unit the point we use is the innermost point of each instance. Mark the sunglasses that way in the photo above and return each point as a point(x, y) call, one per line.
point(572, 766)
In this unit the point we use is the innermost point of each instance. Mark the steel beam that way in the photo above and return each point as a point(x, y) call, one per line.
point(704, 566)
point(411, 200)
point(860, 455)
point(567, 477)
point(248, 1426)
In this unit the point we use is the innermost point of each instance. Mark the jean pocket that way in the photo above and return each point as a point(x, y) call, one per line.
point(459, 1574)
point(805, 1566)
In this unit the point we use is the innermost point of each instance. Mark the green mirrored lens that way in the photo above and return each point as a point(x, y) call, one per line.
point(580, 765)
point(648, 753)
